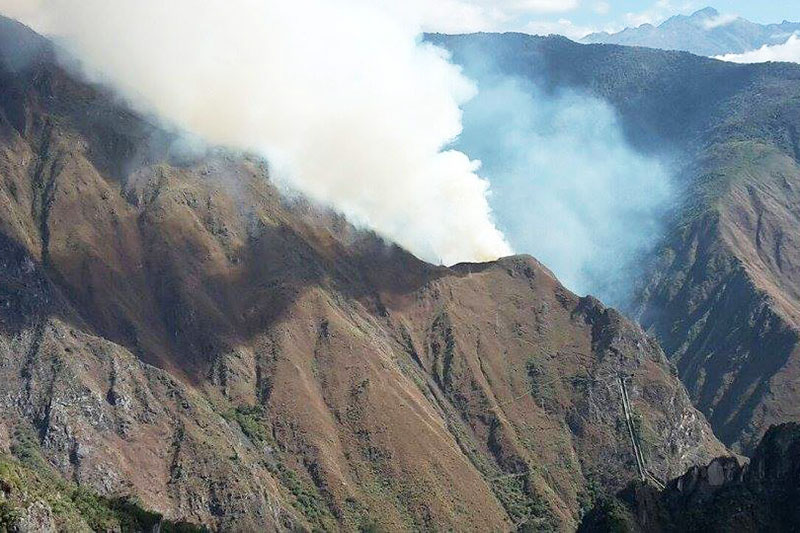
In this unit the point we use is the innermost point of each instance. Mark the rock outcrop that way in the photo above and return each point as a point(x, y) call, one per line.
point(725, 495)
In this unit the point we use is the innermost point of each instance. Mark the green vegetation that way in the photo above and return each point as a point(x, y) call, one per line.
point(255, 424)
point(26, 480)
point(369, 526)
point(9, 516)
point(524, 505)
point(307, 498)
point(609, 516)
point(590, 495)
point(542, 388)
point(253, 421)
point(645, 435)
point(517, 495)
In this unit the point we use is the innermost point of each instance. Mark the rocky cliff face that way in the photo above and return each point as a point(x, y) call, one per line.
point(720, 291)
point(725, 495)
point(722, 295)
point(172, 328)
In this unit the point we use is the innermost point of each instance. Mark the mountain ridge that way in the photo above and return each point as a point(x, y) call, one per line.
point(706, 32)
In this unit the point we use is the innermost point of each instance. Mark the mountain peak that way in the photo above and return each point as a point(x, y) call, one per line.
point(702, 15)
point(706, 32)
point(705, 12)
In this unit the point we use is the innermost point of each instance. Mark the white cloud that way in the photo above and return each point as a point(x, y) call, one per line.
point(463, 16)
point(561, 27)
point(723, 19)
point(789, 51)
point(458, 16)
point(602, 8)
point(541, 6)
point(658, 12)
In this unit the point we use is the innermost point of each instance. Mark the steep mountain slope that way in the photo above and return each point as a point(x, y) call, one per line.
point(173, 329)
point(721, 290)
point(34, 498)
point(705, 32)
point(723, 496)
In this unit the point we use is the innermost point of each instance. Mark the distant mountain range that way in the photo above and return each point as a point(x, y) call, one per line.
point(706, 32)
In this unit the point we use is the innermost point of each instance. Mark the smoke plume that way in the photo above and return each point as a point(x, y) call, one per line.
point(347, 103)
point(568, 187)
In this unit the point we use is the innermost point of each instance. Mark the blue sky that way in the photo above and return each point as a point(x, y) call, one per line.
point(575, 18)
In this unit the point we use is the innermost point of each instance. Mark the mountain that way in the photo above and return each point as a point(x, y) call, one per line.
point(705, 33)
point(176, 332)
point(720, 290)
point(725, 495)
point(35, 498)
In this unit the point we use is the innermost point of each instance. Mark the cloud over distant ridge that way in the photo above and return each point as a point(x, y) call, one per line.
point(788, 51)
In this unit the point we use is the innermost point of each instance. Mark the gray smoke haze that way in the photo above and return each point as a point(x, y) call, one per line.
point(354, 110)
point(567, 186)
point(346, 102)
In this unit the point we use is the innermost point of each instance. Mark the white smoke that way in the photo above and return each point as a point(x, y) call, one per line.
point(343, 98)
point(788, 51)
point(568, 187)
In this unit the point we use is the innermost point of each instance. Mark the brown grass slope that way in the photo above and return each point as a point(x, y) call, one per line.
point(172, 328)
point(723, 296)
